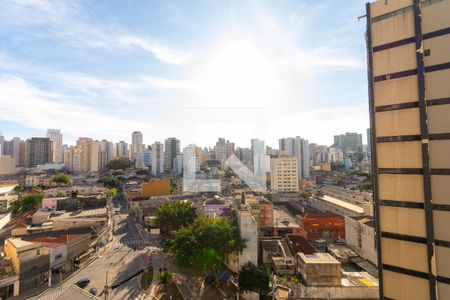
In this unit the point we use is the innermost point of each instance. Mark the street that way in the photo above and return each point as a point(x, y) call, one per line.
point(123, 258)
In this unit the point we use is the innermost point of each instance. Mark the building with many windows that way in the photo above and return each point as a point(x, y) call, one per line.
point(409, 95)
point(299, 148)
point(284, 174)
point(56, 137)
point(157, 159)
point(171, 150)
point(38, 151)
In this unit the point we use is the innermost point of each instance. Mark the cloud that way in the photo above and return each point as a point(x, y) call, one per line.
point(66, 20)
point(38, 109)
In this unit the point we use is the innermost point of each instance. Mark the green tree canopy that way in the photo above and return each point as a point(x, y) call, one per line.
point(120, 163)
point(110, 181)
point(18, 188)
point(204, 245)
point(252, 278)
point(62, 178)
point(26, 203)
point(175, 215)
point(165, 277)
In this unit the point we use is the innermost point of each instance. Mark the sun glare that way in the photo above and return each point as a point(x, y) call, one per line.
point(236, 74)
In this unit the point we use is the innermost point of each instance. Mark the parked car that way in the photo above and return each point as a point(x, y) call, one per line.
point(82, 283)
point(93, 291)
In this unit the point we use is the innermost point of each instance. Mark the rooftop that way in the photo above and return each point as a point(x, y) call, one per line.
point(19, 243)
point(7, 189)
point(319, 216)
point(343, 204)
point(300, 244)
point(318, 258)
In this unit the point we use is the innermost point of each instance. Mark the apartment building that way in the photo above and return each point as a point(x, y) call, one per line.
point(38, 151)
point(408, 44)
point(56, 137)
point(171, 150)
point(284, 174)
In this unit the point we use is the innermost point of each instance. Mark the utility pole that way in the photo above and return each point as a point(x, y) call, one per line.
point(106, 286)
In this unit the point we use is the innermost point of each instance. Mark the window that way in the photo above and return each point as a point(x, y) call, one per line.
point(58, 256)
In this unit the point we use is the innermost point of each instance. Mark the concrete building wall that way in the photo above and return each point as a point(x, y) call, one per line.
point(409, 75)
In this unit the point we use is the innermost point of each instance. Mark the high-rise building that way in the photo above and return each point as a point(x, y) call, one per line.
point(56, 137)
point(38, 151)
point(191, 161)
point(72, 158)
point(121, 150)
point(147, 156)
point(259, 158)
point(2, 142)
point(16, 149)
point(245, 155)
point(108, 148)
point(91, 158)
point(157, 158)
point(409, 96)
point(171, 150)
point(299, 148)
point(368, 142)
point(136, 149)
point(284, 173)
point(222, 150)
point(351, 144)
point(178, 165)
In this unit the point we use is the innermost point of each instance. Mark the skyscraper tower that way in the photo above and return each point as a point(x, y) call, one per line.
point(409, 96)
point(171, 150)
point(56, 137)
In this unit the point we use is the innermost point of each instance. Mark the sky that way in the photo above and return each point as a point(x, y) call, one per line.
point(196, 70)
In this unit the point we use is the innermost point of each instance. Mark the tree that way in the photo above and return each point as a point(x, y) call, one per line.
point(110, 181)
point(26, 203)
point(62, 178)
point(205, 244)
point(120, 163)
point(18, 188)
point(175, 215)
point(164, 278)
point(252, 278)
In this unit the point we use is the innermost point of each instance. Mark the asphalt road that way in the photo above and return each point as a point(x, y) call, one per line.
point(119, 262)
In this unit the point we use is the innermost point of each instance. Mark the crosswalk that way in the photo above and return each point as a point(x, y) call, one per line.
point(131, 242)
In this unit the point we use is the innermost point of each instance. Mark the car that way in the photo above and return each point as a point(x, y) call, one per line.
point(82, 283)
point(93, 291)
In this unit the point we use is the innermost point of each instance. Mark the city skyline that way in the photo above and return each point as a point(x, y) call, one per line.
point(174, 73)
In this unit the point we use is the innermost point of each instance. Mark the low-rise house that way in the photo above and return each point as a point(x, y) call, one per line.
point(9, 279)
point(319, 269)
point(277, 255)
point(30, 260)
point(67, 247)
point(66, 191)
point(18, 226)
point(214, 207)
point(285, 224)
point(7, 195)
